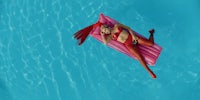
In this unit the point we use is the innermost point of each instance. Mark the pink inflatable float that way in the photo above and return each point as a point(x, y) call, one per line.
point(150, 53)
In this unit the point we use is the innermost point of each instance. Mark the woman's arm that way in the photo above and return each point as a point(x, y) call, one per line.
point(129, 29)
point(105, 39)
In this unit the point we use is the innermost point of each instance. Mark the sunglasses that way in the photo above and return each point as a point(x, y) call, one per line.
point(105, 29)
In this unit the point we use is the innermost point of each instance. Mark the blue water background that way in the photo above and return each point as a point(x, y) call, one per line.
point(40, 60)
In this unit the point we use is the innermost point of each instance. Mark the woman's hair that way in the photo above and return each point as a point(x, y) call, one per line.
point(104, 26)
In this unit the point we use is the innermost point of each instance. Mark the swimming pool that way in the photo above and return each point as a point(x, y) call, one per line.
point(40, 60)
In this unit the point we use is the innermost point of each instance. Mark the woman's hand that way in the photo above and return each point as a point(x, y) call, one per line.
point(134, 37)
point(105, 39)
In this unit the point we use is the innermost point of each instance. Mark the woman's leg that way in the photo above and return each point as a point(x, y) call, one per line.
point(148, 42)
point(135, 51)
point(151, 35)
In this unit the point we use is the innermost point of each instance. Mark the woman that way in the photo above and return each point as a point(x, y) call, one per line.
point(125, 35)
point(120, 33)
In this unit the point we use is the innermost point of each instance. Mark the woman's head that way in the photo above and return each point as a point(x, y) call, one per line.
point(105, 29)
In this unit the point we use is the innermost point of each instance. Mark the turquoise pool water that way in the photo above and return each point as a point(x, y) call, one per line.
point(40, 60)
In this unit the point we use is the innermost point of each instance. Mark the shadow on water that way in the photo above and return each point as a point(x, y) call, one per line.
point(4, 92)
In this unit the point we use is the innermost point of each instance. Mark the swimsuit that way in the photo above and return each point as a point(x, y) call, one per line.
point(116, 35)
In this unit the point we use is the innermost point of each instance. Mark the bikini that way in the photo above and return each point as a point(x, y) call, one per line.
point(116, 35)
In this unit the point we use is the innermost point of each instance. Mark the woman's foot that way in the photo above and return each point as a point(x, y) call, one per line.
point(151, 35)
point(153, 76)
point(151, 31)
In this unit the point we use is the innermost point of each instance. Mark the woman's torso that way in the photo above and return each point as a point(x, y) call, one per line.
point(120, 34)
